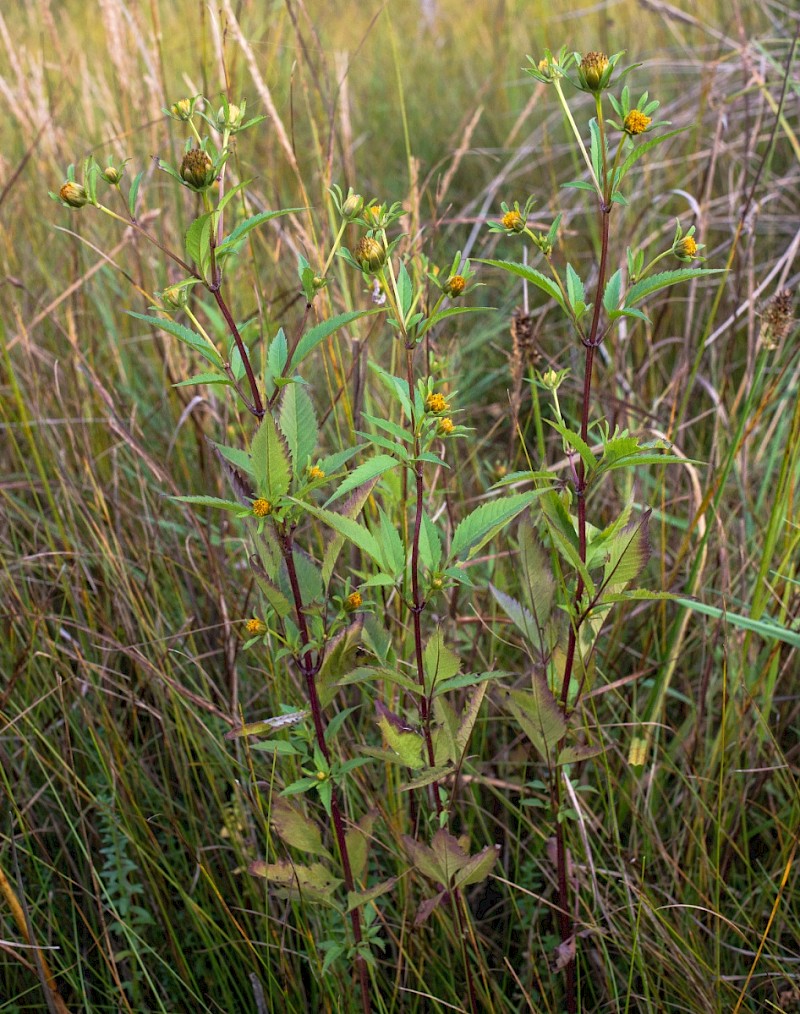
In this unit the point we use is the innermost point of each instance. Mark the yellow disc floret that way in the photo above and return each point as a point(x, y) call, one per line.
point(636, 122)
point(262, 507)
point(436, 403)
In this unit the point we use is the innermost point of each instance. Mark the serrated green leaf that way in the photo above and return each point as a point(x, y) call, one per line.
point(430, 544)
point(211, 501)
point(612, 291)
point(478, 867)
point(358, 839)
point(277, 355)
point(184, 334)
point(642, 148)
point(468, 679)
point(531, 275)
point(440, 662)
point(394, 556)
point(369, 470)
point(295, 829)
point(314, 881)
point(318, 334)
point(628, 553)
point(477, 528)
point(239, 458)
point(350, 511)
point(205, 378)
point(356, 899)
point(537, 713)
point(405, 742)
point(243, 228)
point(405, 292)
point(654, 283)
point(350, 529)
point(298, 423)
point(198, 242)
point(576, 292)
point(271, 466)
point(522, 619)
point(577, 443)
point(538, 584)
point(451, 311)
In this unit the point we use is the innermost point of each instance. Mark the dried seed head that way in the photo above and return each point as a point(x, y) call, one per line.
point(591, 70)
point(778, 318)
point(197, 169)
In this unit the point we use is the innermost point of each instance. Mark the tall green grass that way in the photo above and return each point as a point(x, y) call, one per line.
point(128, 820)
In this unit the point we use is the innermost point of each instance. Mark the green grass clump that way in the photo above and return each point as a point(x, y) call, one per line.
point(143, 801)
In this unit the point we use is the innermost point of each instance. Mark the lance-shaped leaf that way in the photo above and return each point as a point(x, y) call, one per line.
point(298, 424)
point(295, 829)
point(485, 521)
point(339, 660)
point(628, 553)
point(446, 862)
point(654, 283)
point(349, 529)
point(534, 277)
point(270, 460)
point(358, 839)
point(538, 585)
point(521, 617)
point(198, 242)
point(538, 714)
point(373, 468)
point(400, 737)
point(243, 228)
point(350, 510)
point(355, 899)
point(184, 334)
point(320, 332)
point(440, 662)
point(315, 882)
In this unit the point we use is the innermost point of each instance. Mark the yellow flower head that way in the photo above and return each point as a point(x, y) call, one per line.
point(262, 507)
point(455, 285)
point(315, 472)
point(353, 601)
point(513, 221)
point(436, 403)
point(686, 248)
point(636, 122)
point(446, 426)
point(255, 627)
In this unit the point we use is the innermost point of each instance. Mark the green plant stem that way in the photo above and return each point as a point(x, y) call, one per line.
point(578, 138)
point(133, 224)
point(309, 668)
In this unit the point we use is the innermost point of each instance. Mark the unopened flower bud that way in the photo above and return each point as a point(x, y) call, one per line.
point(182, 109)
point(197, 168)
point(370, 254)
point(591, 70)
point(446, 426)
point(352, 205)
point(230, 118)
point(112, 175)
point(174, 297)
point(73, 194)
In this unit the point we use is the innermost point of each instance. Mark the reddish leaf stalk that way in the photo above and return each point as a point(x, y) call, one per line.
point(310, 667)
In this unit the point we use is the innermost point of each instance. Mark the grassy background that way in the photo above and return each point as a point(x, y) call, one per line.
point(127, 819)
